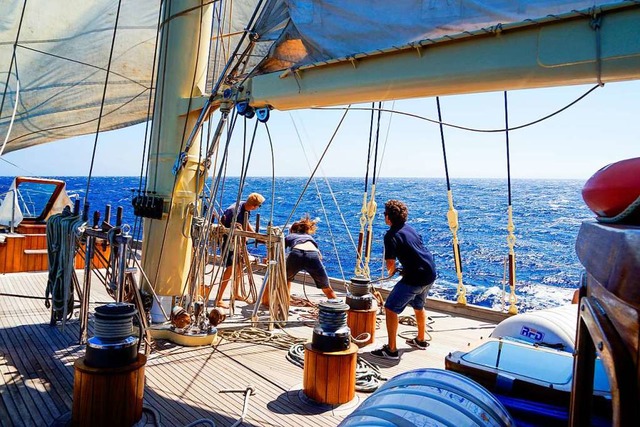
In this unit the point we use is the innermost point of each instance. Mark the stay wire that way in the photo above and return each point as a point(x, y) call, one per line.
point(326, 218)
point(216, 18)
point(404, 113)
point(324, 210)
point(506, 135)
point(295, 206)
point(218, 186)
point(137, 227)
point(444, 149)
point(375, 156)
point(104, 95)
point(152, 92)
point(273, 173)
point(366, 173)
point(386, 138)
point(163, 48)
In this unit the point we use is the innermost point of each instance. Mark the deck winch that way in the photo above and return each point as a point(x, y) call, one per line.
point(330, 359)
point(113, 344)
point(359, 296)
point(362, 310)
point(331, 332)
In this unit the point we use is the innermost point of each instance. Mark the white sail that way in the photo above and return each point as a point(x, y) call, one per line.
point(61, 57)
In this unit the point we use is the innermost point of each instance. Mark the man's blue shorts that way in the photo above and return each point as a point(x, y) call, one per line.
point(310, 262)
point(403, 295)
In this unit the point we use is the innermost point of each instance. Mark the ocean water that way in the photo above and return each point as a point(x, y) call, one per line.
point(547, 217)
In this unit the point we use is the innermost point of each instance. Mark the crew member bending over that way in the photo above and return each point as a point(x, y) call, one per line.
point(306, 256)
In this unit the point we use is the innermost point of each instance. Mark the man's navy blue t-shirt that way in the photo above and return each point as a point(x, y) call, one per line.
point(405, 244)
point(227, 216)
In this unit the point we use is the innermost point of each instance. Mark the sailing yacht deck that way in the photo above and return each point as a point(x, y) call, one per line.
point(183, 384)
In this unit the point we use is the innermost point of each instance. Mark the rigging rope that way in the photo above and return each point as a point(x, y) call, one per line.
point(452, 217)
point(104, 95)
point(137, 225)
point(372, 206)
point(404, 113)
point(324, 210)
point(304, 189)
point(359, 271)
point(511, 238)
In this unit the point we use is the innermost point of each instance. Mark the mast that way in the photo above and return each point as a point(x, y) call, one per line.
point(181, 78)
point(576, 49)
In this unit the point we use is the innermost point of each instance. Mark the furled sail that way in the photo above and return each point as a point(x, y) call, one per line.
point(54, 55)
point(327, 30)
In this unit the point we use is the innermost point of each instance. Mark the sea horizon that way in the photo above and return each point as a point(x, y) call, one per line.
point(547, 215)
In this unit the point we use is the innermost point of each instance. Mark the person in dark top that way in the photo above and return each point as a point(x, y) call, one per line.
point(403, 243)
point(253, 202)
point(305, 255)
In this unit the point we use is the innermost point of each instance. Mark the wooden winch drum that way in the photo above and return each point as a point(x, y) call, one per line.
point(363, 321)
point(108, 396)
point(330, 378)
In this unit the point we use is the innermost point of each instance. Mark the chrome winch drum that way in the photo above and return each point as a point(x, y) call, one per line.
point(113, 344)
point(331, 333)
point(359, 296)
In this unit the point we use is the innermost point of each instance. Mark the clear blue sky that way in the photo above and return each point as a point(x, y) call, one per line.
point(602, 128)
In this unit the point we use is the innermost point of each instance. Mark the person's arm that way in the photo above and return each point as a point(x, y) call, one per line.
point(391, 266)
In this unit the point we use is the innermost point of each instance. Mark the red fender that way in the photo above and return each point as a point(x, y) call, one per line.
point(613, 188)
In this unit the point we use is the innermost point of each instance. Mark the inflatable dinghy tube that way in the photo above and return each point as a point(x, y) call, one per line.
point(613, 193)
point(426, 396)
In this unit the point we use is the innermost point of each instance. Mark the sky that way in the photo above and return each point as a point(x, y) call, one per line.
point(600, 129)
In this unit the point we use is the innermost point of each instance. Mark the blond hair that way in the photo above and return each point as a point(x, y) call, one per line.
point(255, 199)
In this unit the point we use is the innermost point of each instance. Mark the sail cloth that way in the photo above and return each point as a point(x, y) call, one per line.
point(63, 48)
point(61, 59)
point(330, 29)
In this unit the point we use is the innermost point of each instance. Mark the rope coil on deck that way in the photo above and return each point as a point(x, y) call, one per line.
point(368, 375)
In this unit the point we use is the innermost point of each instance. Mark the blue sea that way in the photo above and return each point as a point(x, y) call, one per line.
point(547, 216)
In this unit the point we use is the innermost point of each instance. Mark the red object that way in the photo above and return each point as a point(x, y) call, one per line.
point(613, 188)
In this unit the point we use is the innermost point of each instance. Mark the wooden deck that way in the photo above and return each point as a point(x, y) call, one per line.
point(183, 384)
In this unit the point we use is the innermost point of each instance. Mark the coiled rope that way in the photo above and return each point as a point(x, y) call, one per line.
point(411, 321)
point(281, 340)
point(368, 375)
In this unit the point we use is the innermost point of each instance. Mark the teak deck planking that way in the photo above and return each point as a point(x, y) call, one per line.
point(183, 384)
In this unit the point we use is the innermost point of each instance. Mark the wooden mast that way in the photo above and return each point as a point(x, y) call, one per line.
point(185, 40)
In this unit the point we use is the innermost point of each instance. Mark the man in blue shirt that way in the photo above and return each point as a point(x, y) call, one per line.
point(402, 242)
point(253, 202)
